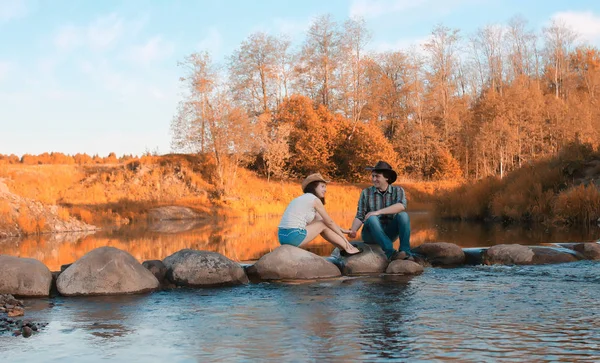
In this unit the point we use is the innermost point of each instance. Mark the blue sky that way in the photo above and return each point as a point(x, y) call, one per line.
point(102, 76)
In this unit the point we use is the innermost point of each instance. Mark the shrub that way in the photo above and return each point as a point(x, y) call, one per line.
point(578, 205)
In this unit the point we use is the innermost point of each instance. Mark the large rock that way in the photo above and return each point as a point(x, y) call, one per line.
point(195, 268)
point(508, 255)
point(587, 250)
point(441, 253)
point(404, 267)
point(548, 255)
point(292, 263)
point(105, 271)
point(24, 277)
point(371, 261)
point(173, 212)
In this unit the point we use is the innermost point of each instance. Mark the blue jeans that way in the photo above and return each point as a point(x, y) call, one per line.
point(291, 236)
point(385, 235)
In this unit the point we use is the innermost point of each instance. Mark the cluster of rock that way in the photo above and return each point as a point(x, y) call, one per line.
point(110, 271)
point(11, 308)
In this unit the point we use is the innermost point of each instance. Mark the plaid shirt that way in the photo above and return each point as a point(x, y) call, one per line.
point(372, 199)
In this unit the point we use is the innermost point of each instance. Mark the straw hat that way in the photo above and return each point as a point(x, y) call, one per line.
point(312, 178)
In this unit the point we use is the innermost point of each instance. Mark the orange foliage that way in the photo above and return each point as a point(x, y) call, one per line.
point(578, 205)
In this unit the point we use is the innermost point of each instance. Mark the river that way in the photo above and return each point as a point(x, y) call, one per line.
point(474, 313)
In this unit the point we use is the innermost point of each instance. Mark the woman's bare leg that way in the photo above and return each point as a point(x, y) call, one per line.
point(313, 229)
point(338, 241)
point(318, 227)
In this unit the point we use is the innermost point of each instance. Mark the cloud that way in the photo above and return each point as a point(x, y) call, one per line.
point(212, 42)
point(99, 35)
point(585, 23)
point(375, 8)
point(153, 50)
point(101, 72)
point(12, 9)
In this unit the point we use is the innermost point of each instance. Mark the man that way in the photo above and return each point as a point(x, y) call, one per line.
point(382, 209)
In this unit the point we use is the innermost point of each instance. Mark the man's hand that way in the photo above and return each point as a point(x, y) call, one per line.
point(351, 233)
point(374, 213)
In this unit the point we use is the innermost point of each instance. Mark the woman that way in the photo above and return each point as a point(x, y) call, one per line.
point(305, 218)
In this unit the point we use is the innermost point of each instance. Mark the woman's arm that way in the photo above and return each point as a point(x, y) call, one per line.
point(327, 219)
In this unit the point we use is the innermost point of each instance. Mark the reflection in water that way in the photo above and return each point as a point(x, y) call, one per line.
point(246, 240)
point(472, 314)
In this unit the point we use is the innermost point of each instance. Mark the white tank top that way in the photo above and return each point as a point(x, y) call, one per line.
point(299, 212)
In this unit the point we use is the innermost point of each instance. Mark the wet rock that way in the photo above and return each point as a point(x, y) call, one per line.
point(26, 331)
point(292, 263)
point(549, 255)
point(106, 271)
point(589, 250)
point(371, 261)
point(203, 268)
point(15, 312)
point(24, 277)
point(441, 253)
point(508, 255)
point(404, 267)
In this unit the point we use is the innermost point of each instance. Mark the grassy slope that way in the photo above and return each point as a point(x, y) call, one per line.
point(119, 193)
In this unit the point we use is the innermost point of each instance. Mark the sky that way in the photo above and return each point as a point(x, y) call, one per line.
point(102, 76)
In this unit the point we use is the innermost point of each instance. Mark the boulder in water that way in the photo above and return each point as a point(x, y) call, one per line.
point(24, 277)
point(292, 263)
point(590, 250)
point(441, 253)
point(105, 271)
point(546, 255)
point(508, 255)
point(404, 267)
point(371, 261)
point(194, 268)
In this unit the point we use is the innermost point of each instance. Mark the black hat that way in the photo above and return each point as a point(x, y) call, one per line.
point(382, 166)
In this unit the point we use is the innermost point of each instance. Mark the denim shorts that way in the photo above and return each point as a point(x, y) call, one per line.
point(291, 236)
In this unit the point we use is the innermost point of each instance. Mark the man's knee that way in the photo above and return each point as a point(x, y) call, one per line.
point(403, 218)
point(372, 221)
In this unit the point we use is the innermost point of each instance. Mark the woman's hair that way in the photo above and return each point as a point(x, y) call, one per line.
point(312, 189)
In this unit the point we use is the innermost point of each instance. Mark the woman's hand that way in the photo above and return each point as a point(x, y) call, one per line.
point(345, 231)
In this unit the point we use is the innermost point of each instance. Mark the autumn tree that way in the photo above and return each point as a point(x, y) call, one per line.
point(255, 72)
point(442, 50)
point(319, 61)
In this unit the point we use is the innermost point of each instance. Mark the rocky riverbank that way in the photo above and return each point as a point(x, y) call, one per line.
point(11, 311)
point(19, 213)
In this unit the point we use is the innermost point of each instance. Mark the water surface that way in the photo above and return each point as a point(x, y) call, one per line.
point(470, 314)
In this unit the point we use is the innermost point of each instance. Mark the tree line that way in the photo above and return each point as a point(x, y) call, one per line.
point(461, 106)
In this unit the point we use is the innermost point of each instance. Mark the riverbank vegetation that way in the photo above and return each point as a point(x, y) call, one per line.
point(564, 189)
point(117, 193)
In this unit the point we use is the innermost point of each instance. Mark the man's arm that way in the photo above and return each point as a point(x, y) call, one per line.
point(360, 214)
point(392, 209)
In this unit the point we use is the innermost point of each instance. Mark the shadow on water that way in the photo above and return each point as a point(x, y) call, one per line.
point(247, 240)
